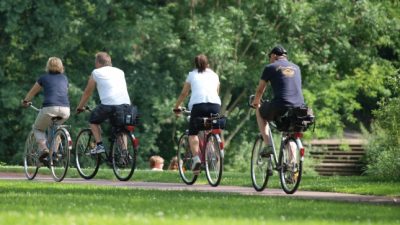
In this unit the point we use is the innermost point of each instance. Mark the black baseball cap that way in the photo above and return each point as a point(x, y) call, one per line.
point(278, 50)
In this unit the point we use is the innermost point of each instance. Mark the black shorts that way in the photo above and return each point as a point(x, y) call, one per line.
point(201, 110)
point(101, 113)
point(271, 111)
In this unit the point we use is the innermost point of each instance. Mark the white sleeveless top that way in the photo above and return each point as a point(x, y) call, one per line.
point(111, 85)
point(204, 87)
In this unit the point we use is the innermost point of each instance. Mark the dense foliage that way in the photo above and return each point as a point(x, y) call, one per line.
point(383, 155)
point(347, 51)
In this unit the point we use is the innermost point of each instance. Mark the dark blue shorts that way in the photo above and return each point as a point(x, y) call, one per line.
point(271, 111)
point(201, 110)
point(101, 113)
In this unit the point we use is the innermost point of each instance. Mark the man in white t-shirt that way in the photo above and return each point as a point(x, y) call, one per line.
point(113, 92)
point(204, 100)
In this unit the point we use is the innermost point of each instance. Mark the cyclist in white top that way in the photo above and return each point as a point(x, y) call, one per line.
point(113, 92)
point(204, 101)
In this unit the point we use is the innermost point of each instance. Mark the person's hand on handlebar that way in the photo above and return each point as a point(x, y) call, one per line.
point(177, 111)
point(79, 110)
point(25, 103)
point(255, 104)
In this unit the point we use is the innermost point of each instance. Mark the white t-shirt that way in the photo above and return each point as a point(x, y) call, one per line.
point(111, 85)
point(204, 87)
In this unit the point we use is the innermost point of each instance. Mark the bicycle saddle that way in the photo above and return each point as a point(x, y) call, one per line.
point(56, 118)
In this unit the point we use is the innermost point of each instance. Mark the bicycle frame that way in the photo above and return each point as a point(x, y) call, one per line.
point(210, 152)
point(53, 144)
point(203, 138)
point(285, 135)
point(113, 139)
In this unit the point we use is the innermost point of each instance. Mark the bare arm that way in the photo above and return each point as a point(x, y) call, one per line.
point(91, 85)
point(259, 92)
point(183, 95)
point(34, 90)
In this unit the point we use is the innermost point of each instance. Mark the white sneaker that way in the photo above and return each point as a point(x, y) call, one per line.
point(98, 149)
point(196, 165)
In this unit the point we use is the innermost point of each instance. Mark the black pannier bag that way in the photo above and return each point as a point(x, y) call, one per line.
point(211, 123)
point(125, 115)
point(297, 119)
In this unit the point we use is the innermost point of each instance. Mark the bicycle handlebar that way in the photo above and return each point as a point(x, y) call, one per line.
point(33, 107)
point(251, 99)
point(182, 110)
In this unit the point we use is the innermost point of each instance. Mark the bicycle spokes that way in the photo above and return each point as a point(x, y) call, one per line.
point(213, 160)
point(291, 166)
point(260, 164)
point(123, 156)
point(185, 161)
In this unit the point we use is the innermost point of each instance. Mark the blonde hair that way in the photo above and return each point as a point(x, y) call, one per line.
point(54, 65)
point(103, 58)
point(173, 165)
point(156, 159)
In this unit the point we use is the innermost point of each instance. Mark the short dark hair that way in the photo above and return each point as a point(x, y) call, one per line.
point(201, 62)
point(103, 58)
point(278, 50)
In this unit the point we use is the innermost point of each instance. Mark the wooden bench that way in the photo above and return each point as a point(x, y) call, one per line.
point(341, 157)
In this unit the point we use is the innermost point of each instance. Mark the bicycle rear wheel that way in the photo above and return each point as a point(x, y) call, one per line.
point(124, 155)
point(87, 164)
point(185, 160)
point(60, 154)
point(259, 165)
point(31, 157)
point(214, 160)
point(291, 167)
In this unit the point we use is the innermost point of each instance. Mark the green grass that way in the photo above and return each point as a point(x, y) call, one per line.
point(351, 184)
point(26, 202)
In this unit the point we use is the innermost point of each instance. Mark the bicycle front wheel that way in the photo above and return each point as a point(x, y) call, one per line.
point(87, 164)
point(60, 154)
point(214, 160)
point(185, 160)
point(259, 165)
point(31, 157)
point(124, 155)
point(291, 166)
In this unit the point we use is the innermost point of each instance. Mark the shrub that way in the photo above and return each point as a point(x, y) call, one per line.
point(383, 148)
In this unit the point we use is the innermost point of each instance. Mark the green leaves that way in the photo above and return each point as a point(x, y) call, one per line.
point(348, 52)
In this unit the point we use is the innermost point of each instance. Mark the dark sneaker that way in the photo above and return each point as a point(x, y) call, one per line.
point(98, 149)
point(267, 151)
point(43, 155)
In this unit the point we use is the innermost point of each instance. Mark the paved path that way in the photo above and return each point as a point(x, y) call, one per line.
point(225, 189)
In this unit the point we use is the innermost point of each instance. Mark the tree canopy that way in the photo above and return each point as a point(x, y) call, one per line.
point(348, 52)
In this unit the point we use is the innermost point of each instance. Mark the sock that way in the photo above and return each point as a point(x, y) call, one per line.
point(99, 143)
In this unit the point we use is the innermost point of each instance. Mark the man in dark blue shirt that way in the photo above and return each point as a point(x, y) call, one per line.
point(285, 79)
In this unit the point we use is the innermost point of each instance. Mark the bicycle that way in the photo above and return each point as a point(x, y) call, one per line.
point(121, 155)
point(211, 150)
point(59, 143)
point(289, 163)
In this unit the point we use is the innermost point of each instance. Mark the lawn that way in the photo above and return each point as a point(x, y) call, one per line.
point(351, 184)
point(27, 202)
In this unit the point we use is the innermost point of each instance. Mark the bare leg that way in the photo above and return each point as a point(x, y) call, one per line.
point(96, 130)
point(263, 127)
point(292, 152)
point(194, 144)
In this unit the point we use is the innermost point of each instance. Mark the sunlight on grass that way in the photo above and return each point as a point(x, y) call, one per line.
point(26, 202)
